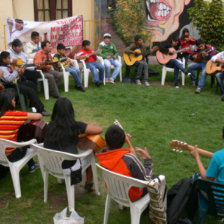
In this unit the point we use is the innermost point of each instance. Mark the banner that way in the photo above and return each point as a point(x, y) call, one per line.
point(68, 31)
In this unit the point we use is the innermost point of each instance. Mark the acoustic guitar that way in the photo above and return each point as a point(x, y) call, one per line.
point(180, 146)
point(130, 59)
point(213, 67)
point(20, 64)
point(199, 56)
point(94, 142)
point(164, 58)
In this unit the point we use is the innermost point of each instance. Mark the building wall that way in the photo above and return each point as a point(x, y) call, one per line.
point(16, 9)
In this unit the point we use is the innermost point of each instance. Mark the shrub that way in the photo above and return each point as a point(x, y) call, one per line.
point(208, 17)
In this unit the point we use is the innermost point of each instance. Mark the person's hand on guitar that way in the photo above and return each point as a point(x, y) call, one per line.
point(127, 137)
point(137, 54)
point(143, 153)
point(204, 53)
point(220, 61)
point(14, 61)
point(20, 70)
point(194, 153)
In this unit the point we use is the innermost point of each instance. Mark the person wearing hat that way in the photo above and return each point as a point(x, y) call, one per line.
point(110, 55)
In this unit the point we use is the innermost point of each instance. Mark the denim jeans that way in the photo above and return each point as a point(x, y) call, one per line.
point(220, 78)
point(75, 72)
point(174, 63)
point(107, 65)
point(198, 66)
point(93, 66)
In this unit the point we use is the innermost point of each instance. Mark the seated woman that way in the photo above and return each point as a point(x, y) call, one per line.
point(63, 131)
point(10, 122)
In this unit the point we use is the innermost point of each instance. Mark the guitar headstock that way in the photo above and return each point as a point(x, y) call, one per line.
point(178, 146)
point(116, 122)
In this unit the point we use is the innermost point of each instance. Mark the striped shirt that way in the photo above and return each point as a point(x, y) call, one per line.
point(10, 123)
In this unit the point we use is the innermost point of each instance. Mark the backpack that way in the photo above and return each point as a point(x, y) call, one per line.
point(177, 199)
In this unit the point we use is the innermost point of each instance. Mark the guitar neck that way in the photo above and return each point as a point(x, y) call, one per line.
point(184, 49)
point(201, 151)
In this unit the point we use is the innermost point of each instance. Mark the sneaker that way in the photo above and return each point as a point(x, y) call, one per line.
point(80, 88)
point(193, 83)
point(177, 87)
point(33, 168)
point(138, 82)
point(107, 80)
point(187, 73)
point(198, 90)
point(45, 113)
point(146, 83)
point(112, 81)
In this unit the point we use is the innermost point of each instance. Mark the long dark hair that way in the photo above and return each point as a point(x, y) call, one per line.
point(6, 97)
point(183, 33)
point(63, 120)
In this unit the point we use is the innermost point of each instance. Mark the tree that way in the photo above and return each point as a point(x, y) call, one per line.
point(208, 17)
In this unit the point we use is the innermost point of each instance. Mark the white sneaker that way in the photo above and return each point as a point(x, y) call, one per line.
point(146, 83)
point(177, 87)
point(138, 82)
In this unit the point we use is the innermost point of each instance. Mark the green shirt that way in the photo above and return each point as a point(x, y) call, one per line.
point(107, 50)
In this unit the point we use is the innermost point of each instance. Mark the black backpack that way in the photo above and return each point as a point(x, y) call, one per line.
point(177, 199)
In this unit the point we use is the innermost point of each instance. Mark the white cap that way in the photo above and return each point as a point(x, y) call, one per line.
point(107, 35)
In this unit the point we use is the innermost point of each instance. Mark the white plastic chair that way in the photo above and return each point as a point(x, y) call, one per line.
point(119, 59)
point(66, 74)
point(166, 69)
point(86, 72)
point(42, 79)
point(15, 167)
point(50, 163)
point(117, 189)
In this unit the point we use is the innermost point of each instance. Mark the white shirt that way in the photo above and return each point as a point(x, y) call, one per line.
point(31, 49)
point(218, 56)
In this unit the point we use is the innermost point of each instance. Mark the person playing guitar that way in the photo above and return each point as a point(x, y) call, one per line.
point(219, 58)
point(62, 134)
point(90, 58)
point(26, 87)
point(174, 63)
point(201, 55)
point(142, 65)
point(10, 122)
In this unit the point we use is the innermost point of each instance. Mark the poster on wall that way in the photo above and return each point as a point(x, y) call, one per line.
point(68, 31)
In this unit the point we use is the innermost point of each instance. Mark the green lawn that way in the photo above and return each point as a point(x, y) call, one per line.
point(153, 116)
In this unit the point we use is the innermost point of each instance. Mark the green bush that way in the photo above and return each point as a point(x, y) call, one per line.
point(208, 17)
point(128, 18)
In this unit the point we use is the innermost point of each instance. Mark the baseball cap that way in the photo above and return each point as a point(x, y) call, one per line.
point(107, 35)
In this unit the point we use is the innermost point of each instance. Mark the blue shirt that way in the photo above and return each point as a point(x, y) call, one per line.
point(216, 166)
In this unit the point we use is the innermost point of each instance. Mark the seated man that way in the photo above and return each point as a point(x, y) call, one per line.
point(33, 46)
point(219, 58)
point(89, 56)
point(202, 54)
point(69, 66)
point(16, 52)
point(54, 77)
point(122, 161)
point(174, 63)
point(109, 54)
point(142, 66)
point(26, 87)
point(215, 171)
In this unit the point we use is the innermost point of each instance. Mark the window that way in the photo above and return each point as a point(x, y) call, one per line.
point(45, 10)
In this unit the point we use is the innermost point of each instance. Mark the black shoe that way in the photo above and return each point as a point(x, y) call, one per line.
point(33, 168)
point(98, 84)
point(45, 113)
point(89, 187)
point(80, 88)
point(222, 97)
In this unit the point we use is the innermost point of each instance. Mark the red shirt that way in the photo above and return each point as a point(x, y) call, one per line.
point(92, 58)
point(184, 44)
point(10, 123)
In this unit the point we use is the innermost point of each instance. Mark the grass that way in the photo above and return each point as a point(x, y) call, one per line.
point(154, 116)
